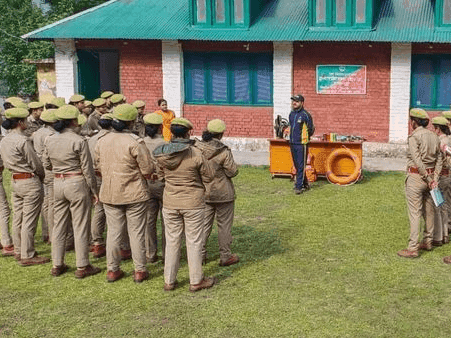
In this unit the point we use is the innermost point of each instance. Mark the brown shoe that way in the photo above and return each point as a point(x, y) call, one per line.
point(424, 246)
point(232, 260)
point(70, 247)
point(89, 270)
point(205, 284)
point(98, 251)
point(140, 276)
point(112, 276)
point(170, 287)
point(408, 254)
point(17, 257)
point(8, 250)
point(126, 255)
point(447, 260)
point(59, 270)
point(437, 243)
point(36, 260)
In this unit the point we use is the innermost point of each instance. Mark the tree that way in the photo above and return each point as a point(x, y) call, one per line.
point(18, 17)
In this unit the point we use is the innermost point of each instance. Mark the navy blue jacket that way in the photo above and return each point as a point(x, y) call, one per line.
point(297, 119)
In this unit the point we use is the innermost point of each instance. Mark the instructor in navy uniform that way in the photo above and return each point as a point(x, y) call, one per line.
point(301, 128)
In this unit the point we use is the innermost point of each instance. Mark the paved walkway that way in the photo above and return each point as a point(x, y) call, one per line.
point(369, 163)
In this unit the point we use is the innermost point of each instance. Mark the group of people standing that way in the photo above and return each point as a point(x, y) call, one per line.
point(428, 165)
point(132, 166)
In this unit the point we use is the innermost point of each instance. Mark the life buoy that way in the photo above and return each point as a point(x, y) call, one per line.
point(343, 180)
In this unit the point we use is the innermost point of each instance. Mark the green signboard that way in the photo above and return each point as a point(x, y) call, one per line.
point(340, 79)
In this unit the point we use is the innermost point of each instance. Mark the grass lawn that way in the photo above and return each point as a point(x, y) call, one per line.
point(322, 264)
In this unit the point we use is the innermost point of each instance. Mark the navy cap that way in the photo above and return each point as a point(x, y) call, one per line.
point(298, 98)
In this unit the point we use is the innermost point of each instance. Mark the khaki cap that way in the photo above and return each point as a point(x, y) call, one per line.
point(48, 116)
point(81, 119)
point(67, 112)
point(46, 98)
point(106, 94)
point(419, 113)
point(76, 98)
point(125, 112)
point(98, 102)
point(116, 98)
point(216, 126)
point(16, 113)
point(35, 105)
point(447, 114)
point(107, 116)
point(441, 120)
point(13, 99)
point(88, 103)
point(16, 102)
point(58, 101)
point(182, 122)
point(153, 118)
point(139, 103)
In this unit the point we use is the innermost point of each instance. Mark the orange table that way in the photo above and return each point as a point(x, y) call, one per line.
point(281, 162)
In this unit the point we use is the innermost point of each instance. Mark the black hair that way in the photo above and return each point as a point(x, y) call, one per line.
point(8, 105)
point(160, 101)
point(105, 123)
point(50, 106)
point(60, 125)
point(10, 123)
point(445, 129)
point(119, 125)
point(208, 136)
point(46, 123)
point(421, 122)
point(152, 129)
point(178, 130)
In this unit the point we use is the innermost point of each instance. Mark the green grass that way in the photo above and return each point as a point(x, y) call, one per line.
point(322, 264)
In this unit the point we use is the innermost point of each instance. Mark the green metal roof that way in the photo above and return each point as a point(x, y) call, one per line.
point(281, 20)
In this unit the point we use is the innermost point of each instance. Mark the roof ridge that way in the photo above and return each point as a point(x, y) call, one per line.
point(89, 10)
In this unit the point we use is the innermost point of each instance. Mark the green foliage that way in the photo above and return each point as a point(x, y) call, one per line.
point(19, 17)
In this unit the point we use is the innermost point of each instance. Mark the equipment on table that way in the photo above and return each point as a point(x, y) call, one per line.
point(280, 124)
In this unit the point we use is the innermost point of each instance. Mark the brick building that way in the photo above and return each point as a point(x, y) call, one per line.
point(361, 64)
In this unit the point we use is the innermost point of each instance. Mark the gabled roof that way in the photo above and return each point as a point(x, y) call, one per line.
point(281, 20)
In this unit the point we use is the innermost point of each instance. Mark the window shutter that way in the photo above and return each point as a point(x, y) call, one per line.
point(241, 80)
point(423, 82)
point(218, 74)
point(195, 78)
point(263, 80)
point(444, 83)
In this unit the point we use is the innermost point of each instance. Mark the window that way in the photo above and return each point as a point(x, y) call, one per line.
point(228, 78)
point(220, 13)
point(443, 13)
point(341, 13)
point(431, 81)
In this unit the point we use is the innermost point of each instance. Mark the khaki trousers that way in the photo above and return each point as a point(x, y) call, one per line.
point(4, 216)
point(192, 222)
point(27, 201)
point(441, 213)
point(98, 220)
point(224, 213)
point(133, 218)
point(154, 208)
point(72, 197)
point(419, 203)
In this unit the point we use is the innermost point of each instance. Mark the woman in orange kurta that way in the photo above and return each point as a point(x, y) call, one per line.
point(168, 116)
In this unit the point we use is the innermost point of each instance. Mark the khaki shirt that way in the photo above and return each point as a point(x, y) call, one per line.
point(139, 126)
point(68, 152)
point(92, 142)
point(125, 164)
point(221, 160)
point(32, 125)
point(185, 171)
point(19, 156)
point(93, 122)
point(155, 185)
point(39, 137)
point(424, 152)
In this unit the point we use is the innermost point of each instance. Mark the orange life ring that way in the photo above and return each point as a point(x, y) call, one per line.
point(345, 179)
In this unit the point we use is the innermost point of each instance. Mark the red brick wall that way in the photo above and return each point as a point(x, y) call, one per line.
point(366, 115)
point(241, 121)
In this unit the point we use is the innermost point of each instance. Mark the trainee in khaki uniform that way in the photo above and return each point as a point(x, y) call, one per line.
point(220, 193)
point(27, 173)
point(6, 243)
point(117, 99)
point(447, 151)
point(98, 219)
point(107, 96)
point(67, 155)
point(153, 127)
point(48, 117)
point(123, 158)
point(424, 164)
point(185, 171)
point(78, 101)
point(440, 236)
point(93, 119)
point(139, 126)
point(33, 120)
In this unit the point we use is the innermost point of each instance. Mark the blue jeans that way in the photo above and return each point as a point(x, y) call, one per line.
point(299, 153)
